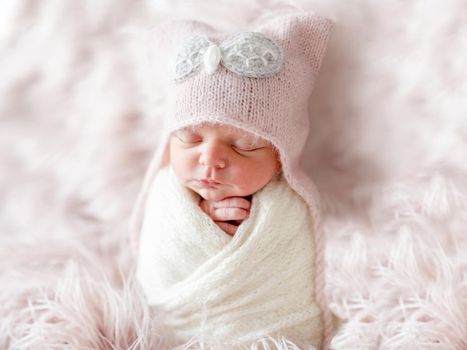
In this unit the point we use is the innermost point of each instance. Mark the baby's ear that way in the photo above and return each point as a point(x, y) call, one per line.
point(303, 36)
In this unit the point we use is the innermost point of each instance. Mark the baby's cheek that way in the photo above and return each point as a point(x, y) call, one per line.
point(246, 185)
point(239, 175)
point(183, 162)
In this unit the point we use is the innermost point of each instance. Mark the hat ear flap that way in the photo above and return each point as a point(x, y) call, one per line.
point(304, 34)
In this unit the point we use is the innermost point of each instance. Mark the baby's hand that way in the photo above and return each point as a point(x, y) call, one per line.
point(235, 209)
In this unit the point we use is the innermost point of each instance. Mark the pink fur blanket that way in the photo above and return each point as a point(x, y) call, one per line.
point(387, 149)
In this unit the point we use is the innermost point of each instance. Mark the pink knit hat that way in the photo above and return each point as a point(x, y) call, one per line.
point(259, 81)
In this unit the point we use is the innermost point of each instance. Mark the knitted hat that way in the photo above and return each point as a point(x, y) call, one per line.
point(259, 81)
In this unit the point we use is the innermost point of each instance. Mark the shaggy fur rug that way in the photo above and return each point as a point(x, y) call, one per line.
point(388, 151)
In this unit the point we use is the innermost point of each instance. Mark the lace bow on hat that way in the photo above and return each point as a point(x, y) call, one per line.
point(249, 54)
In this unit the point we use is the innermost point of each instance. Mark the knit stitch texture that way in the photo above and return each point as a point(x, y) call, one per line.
point(230, 290)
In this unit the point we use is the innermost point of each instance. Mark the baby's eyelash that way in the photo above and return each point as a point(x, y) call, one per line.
point(192, 138)
point(248, 149)
point(188, 138)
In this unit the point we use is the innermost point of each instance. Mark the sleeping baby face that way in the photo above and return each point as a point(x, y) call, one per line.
point(218, 161)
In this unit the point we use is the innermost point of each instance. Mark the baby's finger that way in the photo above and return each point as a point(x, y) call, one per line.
point(225, 214)
point(233, 202)
point(227, 227)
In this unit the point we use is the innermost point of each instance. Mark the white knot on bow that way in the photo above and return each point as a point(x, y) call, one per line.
point(249, 54)
point(212, 57)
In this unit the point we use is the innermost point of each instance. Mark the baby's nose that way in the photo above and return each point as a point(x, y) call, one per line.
point(213, 156)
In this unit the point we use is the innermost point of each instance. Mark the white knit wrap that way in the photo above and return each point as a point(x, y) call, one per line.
point(230, 289)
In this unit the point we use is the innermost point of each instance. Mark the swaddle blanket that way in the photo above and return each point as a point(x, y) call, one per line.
point(230, 289)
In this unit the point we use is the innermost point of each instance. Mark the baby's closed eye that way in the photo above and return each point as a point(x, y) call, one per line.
point(241, 143)
point(248, 146)
point(188, 137)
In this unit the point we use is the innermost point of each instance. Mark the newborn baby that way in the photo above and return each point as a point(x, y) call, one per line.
point(226, 229)
point(225, 166)
point(210, 254)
